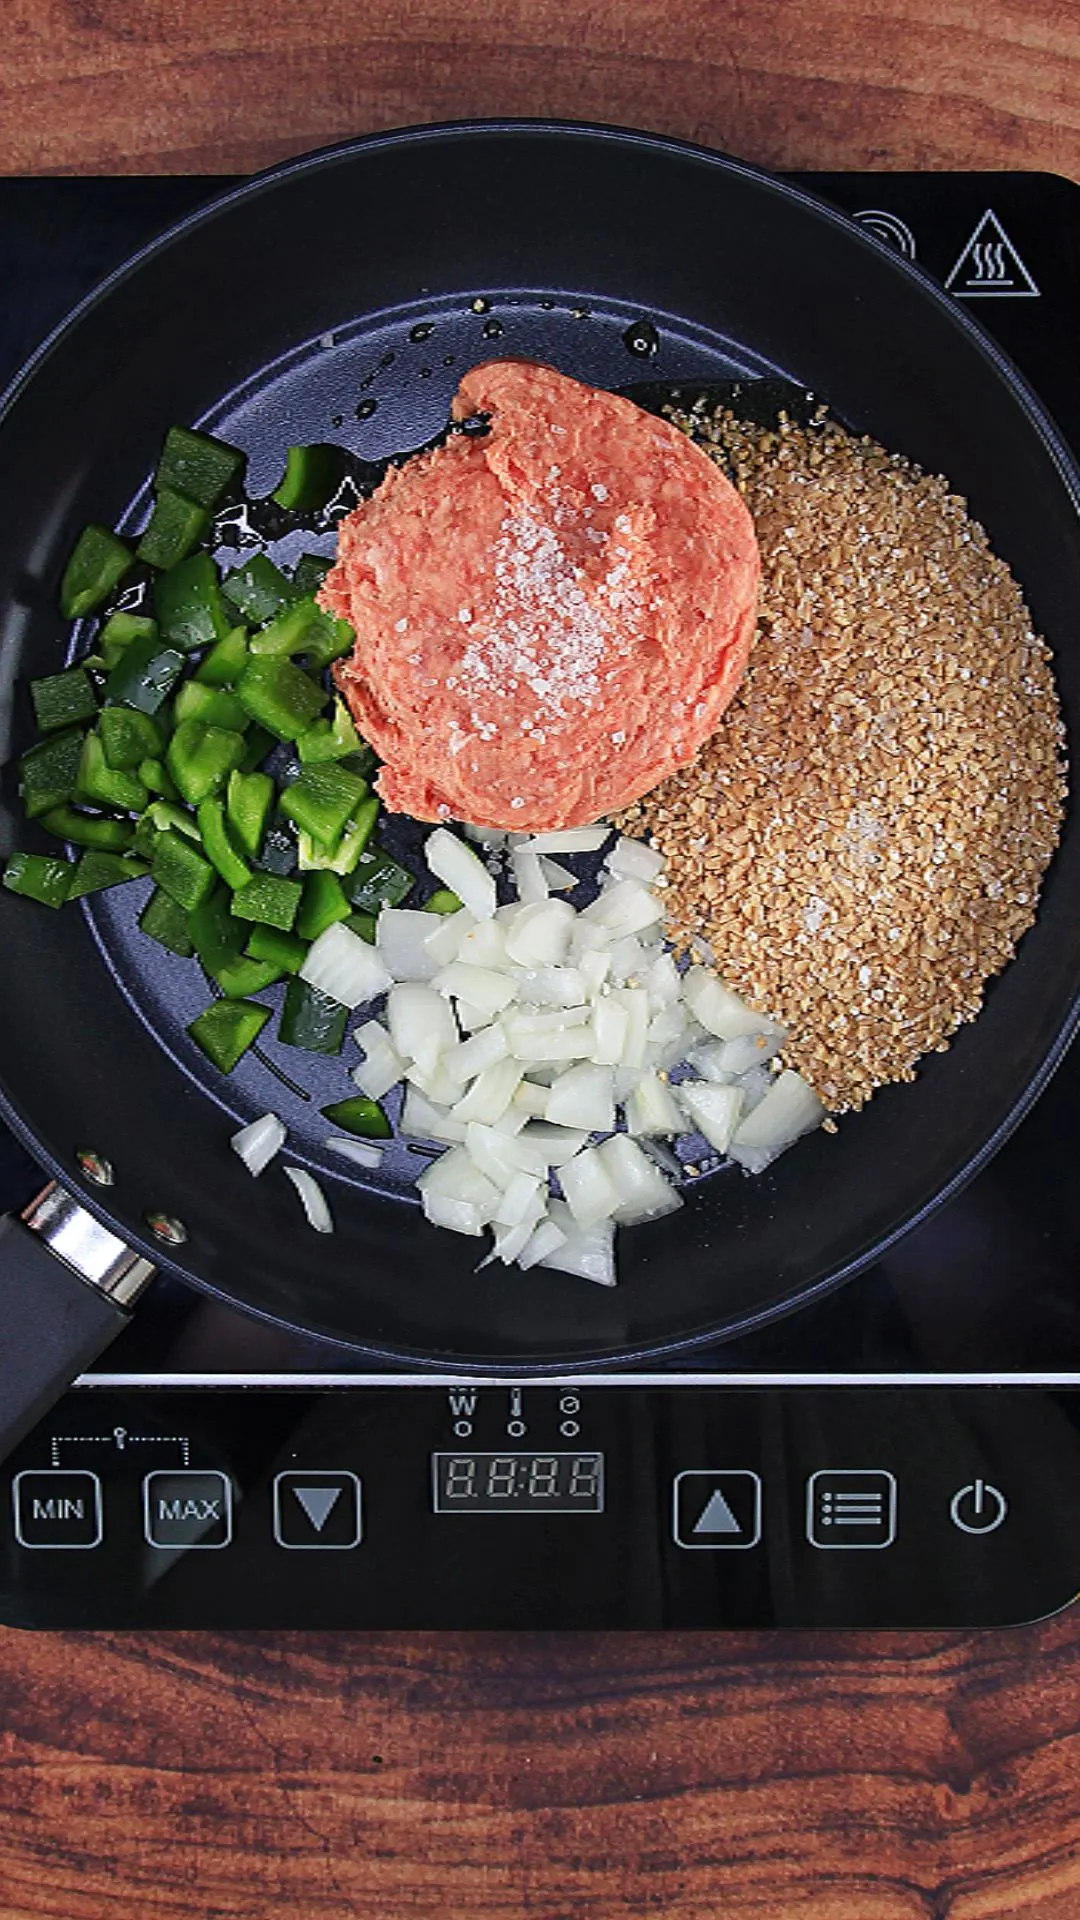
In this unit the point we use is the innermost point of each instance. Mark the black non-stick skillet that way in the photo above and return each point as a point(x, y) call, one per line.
point(376, 273)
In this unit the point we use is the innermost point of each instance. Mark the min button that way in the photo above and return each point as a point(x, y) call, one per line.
point(187, 1509)
point(57, 1509)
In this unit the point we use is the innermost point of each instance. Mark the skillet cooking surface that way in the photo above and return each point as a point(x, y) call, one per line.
point(342, 298)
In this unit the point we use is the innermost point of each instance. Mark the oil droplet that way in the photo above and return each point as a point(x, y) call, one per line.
point(425, 373)
point(580, 313)
point(480, 305)
point(388, 359)
point(365, 409)
point(641, 338)
point(423, 330)
point(337, 420)
point(548, 306)
point(448, 360)
point(367, 381)
point(492, 328)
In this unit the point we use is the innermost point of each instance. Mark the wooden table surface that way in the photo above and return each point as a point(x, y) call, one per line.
point(789, 1777)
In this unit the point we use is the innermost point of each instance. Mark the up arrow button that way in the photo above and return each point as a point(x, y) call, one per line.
point(318, 1510)
point(717, 1508)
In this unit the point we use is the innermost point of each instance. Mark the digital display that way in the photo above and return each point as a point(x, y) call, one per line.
point(518, 1482)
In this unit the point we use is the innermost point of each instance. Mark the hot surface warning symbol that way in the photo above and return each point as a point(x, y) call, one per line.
point(990, 267)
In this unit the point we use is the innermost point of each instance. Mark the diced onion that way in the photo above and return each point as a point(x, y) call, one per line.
point(257, 1143)
point(559, 878)
point(627, 907)
point(481, 987)
point(553, 986)
point(570, 840)
point(342, 965)
point(583, 1097)
point(789, 1109)
point(493, 837)
point(714, 1111)
point(652, 1107)
point(750, 1050)
point(522, 1202)
point(453, 1177)
point(312, 1199)
point(589, 1254)
point(718, 1009)
point(422, 1027)
point(443, 942)
point(635, 860)
point(362, 1151)
point(529, 877)
point(539, 933)
point(382, 1066)
point(423, 1119)
point(402, 935)
point(491, 1093)
point(588, 1189)
point(544, 1240)
point(611, 1023)
point(557, 1144)
point(643, 1192)
point(481, 1050)
point(459, 868)
point(501, 1155)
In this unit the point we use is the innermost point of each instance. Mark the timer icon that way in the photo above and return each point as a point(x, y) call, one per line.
point(979, 1507)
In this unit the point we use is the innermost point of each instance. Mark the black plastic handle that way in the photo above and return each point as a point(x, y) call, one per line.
point(52, 1325)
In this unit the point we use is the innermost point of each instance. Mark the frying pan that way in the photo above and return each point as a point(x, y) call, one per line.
point(376, 272)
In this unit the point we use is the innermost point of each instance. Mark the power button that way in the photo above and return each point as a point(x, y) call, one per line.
point(979, 1507)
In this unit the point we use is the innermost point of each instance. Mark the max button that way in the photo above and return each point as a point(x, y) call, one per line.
point(187, 1509)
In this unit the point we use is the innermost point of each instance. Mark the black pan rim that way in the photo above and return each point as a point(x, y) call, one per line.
point(1039, 420)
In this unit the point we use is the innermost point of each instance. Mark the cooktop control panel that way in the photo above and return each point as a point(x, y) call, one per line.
point(401, 1503)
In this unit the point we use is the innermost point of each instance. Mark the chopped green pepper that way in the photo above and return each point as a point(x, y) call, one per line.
point(323, 902)
point(97, 870)
point(330, 739)
point(181, 870)
point(155, 774)
point(286, 951)
point(89, 829)
point(219, 846)
point(442, 901)
point(304, 628)
point(257, 744)
point(200, 758)
point(217, 938)
point(144, 675)
point(176, 525)
point(278, 853)
point(167, 923)
point(259, 589)
point(104, 786)
point(98, 563)
point(190, 605)
point(39, 877)
point(197, 465)
point(63, 700)
point(215, 706)
point(311, 1019)
point(360, 1115)
point(128, 737)
point(226, 661)
point(378, 881)
point(242, 976)
point(248, 801)
point(227, 1029)
point(280, 697)
point(270, 898)
point(312, 475)
point(343, 857)
point(322, 800)
point(364, 924)
point(309, 572)
point(119, 631)
point(47, 774)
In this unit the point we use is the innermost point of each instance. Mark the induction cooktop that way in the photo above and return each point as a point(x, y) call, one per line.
point(903, 1453)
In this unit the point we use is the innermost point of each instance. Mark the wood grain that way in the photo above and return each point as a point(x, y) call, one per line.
point(183, 1777)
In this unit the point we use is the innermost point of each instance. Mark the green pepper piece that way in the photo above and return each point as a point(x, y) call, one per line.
point(104, 786)
point(270, 898)
point(63, 700)
point(155, 775)
point(248, 801)
point(322, 800)
point(443, 900)
point(89, 829)
point(119, 631)
point(200, 758)
point(304, 628)
point(378, 881)
point(184, 874)
point(243, 976)
point(47, 774)
point(278, 853)
point(312, 475)
point(227, 1029)
point(360, 1115)
point(259, 589)
point(197, 465)
point(323, 902)
point(216, 937)
point(330, 739)
point(311, 1019)
point(128, 737)
point(167, 923)
point(219, 846)
point(214, 706)
point(282, 950)
point(258, 743)
point(98, 563)
point(364, 924)
point(144, 676)
point(280, 697)
point(309, 572)
point(190, 605)
point(175, 526)
point(97, 870)
point(226, 661)
point(38, 876)
point(344, 856)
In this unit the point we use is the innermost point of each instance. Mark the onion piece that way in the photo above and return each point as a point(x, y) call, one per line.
point(453, 1177)
point(544, 1239)
point(569, 840)
point(552, 986)
point(422, 1027)
point(443, 942)
point(663, 983)
point(611, 1025)
point(635, 860)
point(460, 869)
point(583, 1097)
point(491, 837)
point(557, 1144)
point(539, 933)
point(439, 1085)
point(715, 1111)
point(481, 987)
point(524, 1201)
point(362, 1151)
point(382, 1066)
point(588, 1189)
point(459, 1216)
point(589, 1254)
point(789, 1109)
point(481, 1050)
point(652, 1107)
point(529, 877)
point(312, 1199)
point(594, 969)
point(258, 1142)
point(491, 1093)
point(402, 935)
point(501, 1155)
point(559, 879)
point(424, 1119)
point(719, 1010)
point(627, 907)
point(484, 945)
point(532, 1099)
point(643, 1192)
point(509, 1243)
point(345, 967)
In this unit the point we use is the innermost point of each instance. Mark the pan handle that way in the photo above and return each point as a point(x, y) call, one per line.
point(67, 1286)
